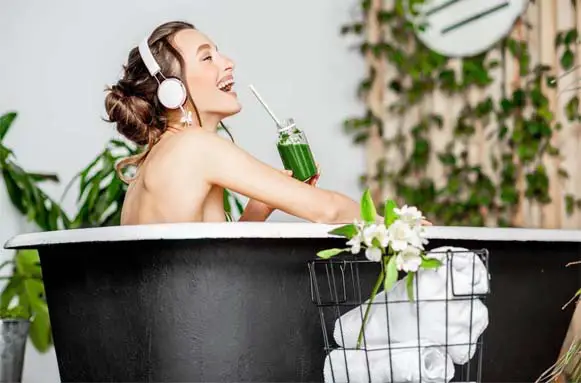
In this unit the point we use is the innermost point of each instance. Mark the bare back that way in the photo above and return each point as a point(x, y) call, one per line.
point(184, 175)
point(160, 194)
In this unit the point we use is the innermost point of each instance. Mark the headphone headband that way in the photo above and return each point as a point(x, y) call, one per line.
point(171, 91)
point(147, 57)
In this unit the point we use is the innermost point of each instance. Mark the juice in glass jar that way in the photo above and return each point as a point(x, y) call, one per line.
point(295, 152)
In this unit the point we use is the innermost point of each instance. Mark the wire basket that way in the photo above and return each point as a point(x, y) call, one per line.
point(435, 335)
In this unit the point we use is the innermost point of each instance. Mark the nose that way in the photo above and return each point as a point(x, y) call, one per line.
point(228, 63)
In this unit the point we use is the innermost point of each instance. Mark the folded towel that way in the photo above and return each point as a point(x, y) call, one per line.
point(466, 317)
point(466, 273)
point(407, 362)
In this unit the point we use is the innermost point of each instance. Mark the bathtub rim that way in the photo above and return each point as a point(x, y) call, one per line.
point(266, 230)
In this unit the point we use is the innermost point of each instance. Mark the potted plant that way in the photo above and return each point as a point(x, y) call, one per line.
point(23, 308)
point(23, 313)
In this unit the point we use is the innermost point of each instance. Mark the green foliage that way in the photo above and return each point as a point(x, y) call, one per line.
point(23, 295)
point(524, 125)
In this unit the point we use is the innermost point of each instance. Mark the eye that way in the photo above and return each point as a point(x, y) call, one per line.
point(207, 58)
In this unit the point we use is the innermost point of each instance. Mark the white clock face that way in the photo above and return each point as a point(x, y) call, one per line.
point(461, 28)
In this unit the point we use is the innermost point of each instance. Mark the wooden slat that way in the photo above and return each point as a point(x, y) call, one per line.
point(374, 144)
point(551, 213)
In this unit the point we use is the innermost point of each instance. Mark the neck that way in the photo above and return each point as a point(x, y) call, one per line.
point(209, 123)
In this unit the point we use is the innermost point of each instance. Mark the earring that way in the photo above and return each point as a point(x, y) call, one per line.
point(186, 117)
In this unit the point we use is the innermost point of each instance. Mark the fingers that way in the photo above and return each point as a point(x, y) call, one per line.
point(314, 179)
point(426, 223)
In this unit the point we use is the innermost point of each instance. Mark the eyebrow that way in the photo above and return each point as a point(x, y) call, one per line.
point(205, 46)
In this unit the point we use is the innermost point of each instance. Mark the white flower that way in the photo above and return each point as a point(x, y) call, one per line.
point(400, 234)
point(418, 239)
point(355, 244)
point(409, 259)
point(409, 214)
point(375, 231)
point(373, 254)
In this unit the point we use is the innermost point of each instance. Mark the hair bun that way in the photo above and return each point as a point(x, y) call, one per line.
point(133, 115)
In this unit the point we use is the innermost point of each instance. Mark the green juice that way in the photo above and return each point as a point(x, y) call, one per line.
point(299, 159)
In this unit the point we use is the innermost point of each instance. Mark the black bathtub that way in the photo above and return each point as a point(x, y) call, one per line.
point(232, 302)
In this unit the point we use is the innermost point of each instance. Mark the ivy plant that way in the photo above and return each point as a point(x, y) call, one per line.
point(471, 195)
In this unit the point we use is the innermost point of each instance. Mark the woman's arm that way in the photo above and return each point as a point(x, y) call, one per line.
point(232, 168)
point(257, 211)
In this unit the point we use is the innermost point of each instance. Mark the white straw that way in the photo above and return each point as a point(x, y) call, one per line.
point(264, 105)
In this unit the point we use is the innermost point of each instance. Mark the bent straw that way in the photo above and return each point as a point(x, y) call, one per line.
point(270, 112)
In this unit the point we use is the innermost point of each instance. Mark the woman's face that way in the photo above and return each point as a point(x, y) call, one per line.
point(209, 75)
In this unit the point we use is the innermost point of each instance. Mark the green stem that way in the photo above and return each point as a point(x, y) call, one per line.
point(373, 293)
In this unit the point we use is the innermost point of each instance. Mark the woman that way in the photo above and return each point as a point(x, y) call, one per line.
point(181, 175)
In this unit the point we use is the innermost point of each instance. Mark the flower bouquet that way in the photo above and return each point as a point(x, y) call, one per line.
point(396, 241)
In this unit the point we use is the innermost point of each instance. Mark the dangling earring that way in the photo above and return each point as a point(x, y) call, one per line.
point(186, 117)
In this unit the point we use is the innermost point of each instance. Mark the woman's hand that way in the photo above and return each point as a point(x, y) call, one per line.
point(314, 179)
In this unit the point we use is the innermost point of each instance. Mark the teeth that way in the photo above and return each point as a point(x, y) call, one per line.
point(222, 85)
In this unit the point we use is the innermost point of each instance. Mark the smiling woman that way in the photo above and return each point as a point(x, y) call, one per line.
point(170, 77)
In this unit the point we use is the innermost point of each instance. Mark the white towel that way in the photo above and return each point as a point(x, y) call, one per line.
point(435, 365)
point(469, 275)
point(403, 314)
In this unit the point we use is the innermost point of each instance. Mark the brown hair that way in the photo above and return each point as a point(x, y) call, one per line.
point(132, 103)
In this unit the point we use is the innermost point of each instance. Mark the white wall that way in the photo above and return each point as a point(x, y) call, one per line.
point(57, 57)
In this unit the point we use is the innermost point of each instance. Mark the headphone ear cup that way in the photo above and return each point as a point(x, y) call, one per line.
point(172, 93)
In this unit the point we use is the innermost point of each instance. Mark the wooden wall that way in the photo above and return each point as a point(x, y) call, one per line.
point(546, 17)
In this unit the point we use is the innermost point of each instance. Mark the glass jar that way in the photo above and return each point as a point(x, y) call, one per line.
point(295, 152)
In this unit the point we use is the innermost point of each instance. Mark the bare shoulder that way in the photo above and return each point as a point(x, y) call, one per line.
point(182, 155)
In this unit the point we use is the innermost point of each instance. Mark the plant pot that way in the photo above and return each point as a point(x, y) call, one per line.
point(13, 336)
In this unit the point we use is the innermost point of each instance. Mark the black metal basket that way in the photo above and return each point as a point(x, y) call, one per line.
point(423, 338)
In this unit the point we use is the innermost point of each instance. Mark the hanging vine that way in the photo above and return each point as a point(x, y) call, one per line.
point(520, 124)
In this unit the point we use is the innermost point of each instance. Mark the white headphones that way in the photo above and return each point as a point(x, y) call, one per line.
point(171, 91)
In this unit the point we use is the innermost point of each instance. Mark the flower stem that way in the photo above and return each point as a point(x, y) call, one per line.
point(373, 293)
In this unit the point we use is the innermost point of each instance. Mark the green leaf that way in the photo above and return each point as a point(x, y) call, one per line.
point(10, 291)
point(40, 177)
point(567, 59)
point(390, 215)
point(572, 108)
point(410, 285)
point(35, 294)
point(16, 312)
point(6, 121)
point(326, 254)
point(226, 202)
point(430, 263)
point(368, 212)
point(390, 274)
point(40, 332)
point(28, 263)
point(571, 36)
point(569, 204)
point(559, 39)
point(348, 231)
point(14, 192)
